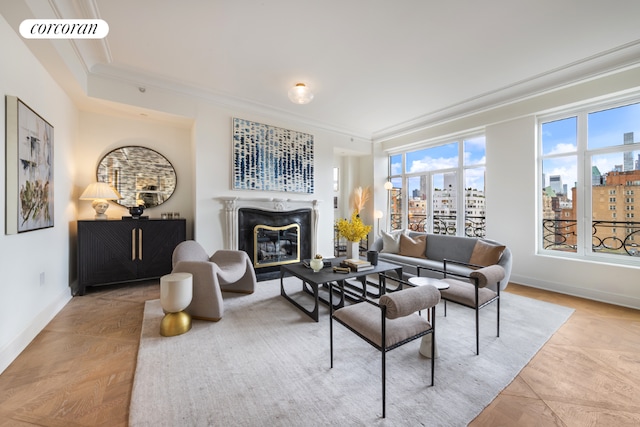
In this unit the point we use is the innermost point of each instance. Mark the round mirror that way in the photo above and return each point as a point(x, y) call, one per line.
point(141, 175)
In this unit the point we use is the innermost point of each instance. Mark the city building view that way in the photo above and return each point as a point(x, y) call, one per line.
point(614, 203)
point(443, 206)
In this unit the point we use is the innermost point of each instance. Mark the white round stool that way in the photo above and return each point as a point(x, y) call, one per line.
point(425, 344)
point(176, 291)
point(421, 281)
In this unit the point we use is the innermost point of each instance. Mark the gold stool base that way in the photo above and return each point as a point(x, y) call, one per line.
point(173, 324)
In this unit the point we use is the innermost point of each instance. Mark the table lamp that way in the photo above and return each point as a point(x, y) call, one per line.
point(100, 192)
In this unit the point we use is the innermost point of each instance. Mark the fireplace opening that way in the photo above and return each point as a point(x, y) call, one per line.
point(279, 232)
point(275, 245)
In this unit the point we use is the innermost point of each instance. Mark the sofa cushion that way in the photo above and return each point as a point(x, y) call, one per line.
point(413, 246)
point(409, 265)
point(485, 253)
point(456, 248)
point(391, 241)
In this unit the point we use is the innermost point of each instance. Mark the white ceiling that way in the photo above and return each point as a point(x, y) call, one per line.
point(375, 66)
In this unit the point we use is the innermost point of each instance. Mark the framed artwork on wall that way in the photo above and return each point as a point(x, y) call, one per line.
point(269, 158)
point(29, 169)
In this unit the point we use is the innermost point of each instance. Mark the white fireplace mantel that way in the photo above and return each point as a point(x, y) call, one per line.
point(271, 204)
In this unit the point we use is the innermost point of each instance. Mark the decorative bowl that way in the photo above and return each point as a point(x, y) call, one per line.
point(136, 211)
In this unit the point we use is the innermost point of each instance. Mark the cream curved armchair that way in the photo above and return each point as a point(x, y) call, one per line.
point(225, 270)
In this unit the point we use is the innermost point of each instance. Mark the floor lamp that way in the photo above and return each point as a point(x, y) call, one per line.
point(388, 186)
point(377, 214)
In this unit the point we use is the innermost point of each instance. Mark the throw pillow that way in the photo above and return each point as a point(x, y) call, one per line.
point(485, 253)
point(413, 247)
point(391, 241)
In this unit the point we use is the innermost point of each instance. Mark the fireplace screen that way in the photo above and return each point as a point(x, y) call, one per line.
point(276, 245)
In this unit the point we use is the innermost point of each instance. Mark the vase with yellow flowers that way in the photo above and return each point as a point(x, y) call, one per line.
point(354, 230)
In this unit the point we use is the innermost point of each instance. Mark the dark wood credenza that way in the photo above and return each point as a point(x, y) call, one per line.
point(117, 251)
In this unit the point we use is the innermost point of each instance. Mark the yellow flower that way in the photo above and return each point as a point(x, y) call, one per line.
point(353, 230)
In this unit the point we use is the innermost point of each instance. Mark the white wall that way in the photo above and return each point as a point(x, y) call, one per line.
point(26, 304)
point(511, 190)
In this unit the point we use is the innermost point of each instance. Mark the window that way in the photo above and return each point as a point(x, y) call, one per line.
point(433, 184)
point(588, 157)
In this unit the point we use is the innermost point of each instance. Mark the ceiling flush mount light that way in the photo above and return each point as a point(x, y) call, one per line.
point(300, 94)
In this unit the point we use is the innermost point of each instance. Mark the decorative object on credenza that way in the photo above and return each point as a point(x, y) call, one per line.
point(141, 175)
point(269, 158)
point(29, 169)
point(300, 94)
point(354, 230)
point(99, 193)
point(170, 215)
point(316, 263)
point(136, 211)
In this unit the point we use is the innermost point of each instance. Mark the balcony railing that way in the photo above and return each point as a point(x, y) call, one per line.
point(605, 237)
point(474, 226)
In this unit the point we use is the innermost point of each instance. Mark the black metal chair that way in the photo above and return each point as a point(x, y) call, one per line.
point(473, 291)
point(390, 322)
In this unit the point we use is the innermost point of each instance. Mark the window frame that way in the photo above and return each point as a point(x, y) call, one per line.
point(584, 185)
point(460, 170)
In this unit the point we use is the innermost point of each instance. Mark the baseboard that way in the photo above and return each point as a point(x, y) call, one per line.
point(13, 349)
point(595, 295)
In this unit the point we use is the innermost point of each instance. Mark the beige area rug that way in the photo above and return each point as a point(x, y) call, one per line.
point(268, 364)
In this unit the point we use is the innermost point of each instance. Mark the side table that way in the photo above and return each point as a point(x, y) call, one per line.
point(176, 292)
point(425, 344)
point(421, 281)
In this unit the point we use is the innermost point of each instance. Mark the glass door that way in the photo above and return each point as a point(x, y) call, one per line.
point(444, 203)
point(432, 202)
point(418, 204)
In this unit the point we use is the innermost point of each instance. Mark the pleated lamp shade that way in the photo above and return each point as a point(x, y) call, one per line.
point(100, 192)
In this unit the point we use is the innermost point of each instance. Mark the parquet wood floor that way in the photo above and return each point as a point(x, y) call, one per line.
point(79, 370)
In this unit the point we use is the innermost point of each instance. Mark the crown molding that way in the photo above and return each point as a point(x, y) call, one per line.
point(128, 77)
point(607, 62)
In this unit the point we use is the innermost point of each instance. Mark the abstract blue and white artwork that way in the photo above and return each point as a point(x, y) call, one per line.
point(269, 158)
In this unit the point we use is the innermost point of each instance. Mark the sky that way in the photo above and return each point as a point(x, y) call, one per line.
point(442, 159)
point(606, 129)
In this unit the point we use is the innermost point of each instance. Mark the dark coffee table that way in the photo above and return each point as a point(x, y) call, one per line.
point(314, 281)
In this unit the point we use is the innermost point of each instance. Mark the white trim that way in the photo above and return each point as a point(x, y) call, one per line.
point(271, 204)
point(577, 291)
point(13, 349)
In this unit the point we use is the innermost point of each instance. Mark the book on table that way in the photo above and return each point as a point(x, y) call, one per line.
point(357, 264)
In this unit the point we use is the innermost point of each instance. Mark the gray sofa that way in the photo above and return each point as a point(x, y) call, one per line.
point(438, 248)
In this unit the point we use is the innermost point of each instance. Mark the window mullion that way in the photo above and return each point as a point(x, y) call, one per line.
point(583, 188)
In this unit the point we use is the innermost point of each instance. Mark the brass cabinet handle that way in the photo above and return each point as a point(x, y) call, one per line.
point(140, 244)
point(133, 244)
